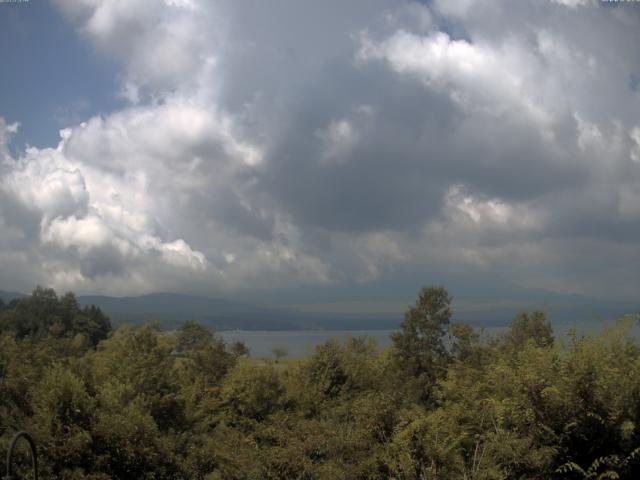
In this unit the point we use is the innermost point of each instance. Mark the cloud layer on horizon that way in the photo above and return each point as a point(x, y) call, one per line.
point(268, 146)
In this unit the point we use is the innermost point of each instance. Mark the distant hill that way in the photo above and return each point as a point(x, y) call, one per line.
point(560, 309)
point(173, 309)
point(6, 297)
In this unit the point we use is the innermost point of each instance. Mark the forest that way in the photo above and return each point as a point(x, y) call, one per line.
point(443, 401)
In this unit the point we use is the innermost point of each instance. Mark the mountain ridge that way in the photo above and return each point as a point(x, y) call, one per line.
point(173, 309)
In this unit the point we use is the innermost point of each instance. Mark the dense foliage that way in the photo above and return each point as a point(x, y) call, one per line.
point(442, 402)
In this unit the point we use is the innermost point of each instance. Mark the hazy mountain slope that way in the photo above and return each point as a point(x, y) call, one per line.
point(173, 309)
point(6, 297)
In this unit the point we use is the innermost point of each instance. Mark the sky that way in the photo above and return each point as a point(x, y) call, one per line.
point(321, 153)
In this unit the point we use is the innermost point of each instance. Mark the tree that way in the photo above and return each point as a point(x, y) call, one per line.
point(62, 420)
point(466, 346)
point(251, 394)
point(193, 336)
point(44, 315)
point(279, 352)
point(239, 349)
point(92, 323)
point(419, 346)
point(324, 369)
point(529, 327)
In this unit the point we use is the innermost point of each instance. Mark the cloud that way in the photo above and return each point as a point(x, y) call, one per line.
point(572, 3)
point(268, 146)
point(6, 132)
point(338, 139)
point(83, 227)
point(162, 45)
point(110, 207)
point(476, 77)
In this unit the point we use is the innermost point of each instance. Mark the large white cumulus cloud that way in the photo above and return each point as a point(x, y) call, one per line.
point(163, 44)
point(110, 205)
point(272, 144)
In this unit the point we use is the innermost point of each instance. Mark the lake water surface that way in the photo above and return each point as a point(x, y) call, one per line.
point(300, 342)
point(297, 342)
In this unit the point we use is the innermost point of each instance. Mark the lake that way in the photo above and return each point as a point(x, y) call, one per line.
point(301, 342)
point(298, 342)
